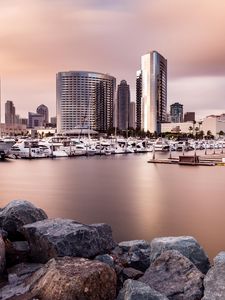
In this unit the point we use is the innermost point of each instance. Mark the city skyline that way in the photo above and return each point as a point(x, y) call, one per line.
point(39, 41)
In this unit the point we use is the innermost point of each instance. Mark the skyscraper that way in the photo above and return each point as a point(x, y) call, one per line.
point(176, 112)
point(132, 115)
point(123, 98)
point(85, 99)
point(43, 110)
point(139, 115)
point(10, 113)
point(151, 93)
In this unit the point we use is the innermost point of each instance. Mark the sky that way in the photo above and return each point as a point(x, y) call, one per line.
point(42, 37)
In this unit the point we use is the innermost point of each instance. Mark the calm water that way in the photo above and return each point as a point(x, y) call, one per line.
point(139, 200)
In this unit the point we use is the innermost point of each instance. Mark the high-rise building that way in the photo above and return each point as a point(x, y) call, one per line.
point(139, 114)
point(123, 100)
point(85, 99)
point(53, 121)
point(10, 113)
point(35, 120)
point(43, 110)
point(189, 117)
point(176, 113)
point(132, 115)
point(151, 93)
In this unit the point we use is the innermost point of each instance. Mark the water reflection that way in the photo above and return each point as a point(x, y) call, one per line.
point(139, 200)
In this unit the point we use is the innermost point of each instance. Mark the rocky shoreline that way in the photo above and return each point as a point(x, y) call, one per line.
point(60, 259)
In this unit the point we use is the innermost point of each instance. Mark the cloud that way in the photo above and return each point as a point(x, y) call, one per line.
point(40, 38)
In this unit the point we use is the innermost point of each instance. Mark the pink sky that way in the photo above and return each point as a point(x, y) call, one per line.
point(41, 37)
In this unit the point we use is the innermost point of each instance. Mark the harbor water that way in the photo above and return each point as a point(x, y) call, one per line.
point(139, 200)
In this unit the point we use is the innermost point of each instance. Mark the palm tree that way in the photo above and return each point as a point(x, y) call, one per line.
point(221, 133)
point(209, 133)
point(190, 129)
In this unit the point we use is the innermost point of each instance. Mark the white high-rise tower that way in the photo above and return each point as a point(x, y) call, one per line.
point(152, 93)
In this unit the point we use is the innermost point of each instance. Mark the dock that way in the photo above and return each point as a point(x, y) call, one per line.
point(191, 160)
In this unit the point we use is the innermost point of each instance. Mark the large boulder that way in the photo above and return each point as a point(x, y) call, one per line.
point(175, 276)
point(70, 278)
point(135, 290)
point(134, 254)
point(2, 255)
point(186, 245)
point(64, 278)
point(214, 281)
point(18, 213)
point(63, 237)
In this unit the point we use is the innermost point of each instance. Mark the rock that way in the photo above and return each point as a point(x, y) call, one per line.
point(18, 213)
point(21, 280)
point(131, 273)
point(175, 276)
point(106, 258)
point(135, 290)
point(214, 281)
point(16, 252)
point(141, 244)
point(186, 245)
point(65, 278)
point(62, 237)
point(18, 273)
point(2, 256)
point(134, 254)
point(70, 278)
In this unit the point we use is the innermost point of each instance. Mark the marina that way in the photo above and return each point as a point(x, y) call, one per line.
point(189, 152)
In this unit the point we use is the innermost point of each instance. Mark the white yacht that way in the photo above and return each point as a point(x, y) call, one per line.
point(161, 145)
point(54, 147)
point(28, 149)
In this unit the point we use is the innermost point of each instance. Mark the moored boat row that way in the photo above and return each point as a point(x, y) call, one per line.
point(61, 146)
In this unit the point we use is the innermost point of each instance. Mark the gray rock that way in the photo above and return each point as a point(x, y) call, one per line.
point(62, 237)
point(22, 279)
point(186, 245)
point(214, 281)
point(106, 258)
point(141, 244)
point(18, 273)
point(131, 273)
point(135, 290)
point(17, 252)
point(18, 213)
point(2, 255)
point(134, 254)
point(175, 276)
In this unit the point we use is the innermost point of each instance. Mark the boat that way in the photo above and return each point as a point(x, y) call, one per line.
point(5, 146)
point(161, 145)
point(54, 147)
point(28, 149)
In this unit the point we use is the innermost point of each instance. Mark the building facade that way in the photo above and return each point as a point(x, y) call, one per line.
point(176, 113)
point(35, 120)
point(123, 100)
point(85, 100)
point(189, 117)
point(179, 127)
point(139, 106)
point(213, 124)
point(132, 115)
point(43, 110)
point(10, 113)
point(152, 92)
